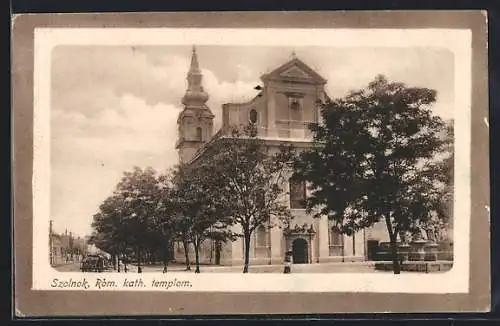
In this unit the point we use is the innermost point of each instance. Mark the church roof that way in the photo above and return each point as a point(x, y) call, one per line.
point(295, 69)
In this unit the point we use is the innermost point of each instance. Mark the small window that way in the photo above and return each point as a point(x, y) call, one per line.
point(199, 135)
point(297, 194)
point(294, 103)
point(295, 108)
point(253, 116)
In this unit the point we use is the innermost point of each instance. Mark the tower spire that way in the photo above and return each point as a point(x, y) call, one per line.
point(195, 95)
point(195, 67)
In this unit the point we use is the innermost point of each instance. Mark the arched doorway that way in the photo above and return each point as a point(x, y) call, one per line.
point(300, 251)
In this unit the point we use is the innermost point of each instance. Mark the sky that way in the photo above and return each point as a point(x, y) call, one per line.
point(115, 107)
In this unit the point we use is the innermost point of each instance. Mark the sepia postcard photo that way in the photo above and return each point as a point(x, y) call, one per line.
point(254, 160)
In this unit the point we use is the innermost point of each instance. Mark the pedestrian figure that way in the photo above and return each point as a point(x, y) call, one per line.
point(100, 264)
point(288, 262)
point(125, 261)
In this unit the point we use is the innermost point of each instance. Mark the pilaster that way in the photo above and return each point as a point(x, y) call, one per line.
point(276, 248)
point(323, 237)
point(237, 245)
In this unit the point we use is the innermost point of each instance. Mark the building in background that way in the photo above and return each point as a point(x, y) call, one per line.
point(66, 248)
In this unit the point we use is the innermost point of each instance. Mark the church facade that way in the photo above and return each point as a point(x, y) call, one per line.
point(282, 110)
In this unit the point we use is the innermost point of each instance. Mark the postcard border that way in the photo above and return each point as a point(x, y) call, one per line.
point(54, 303)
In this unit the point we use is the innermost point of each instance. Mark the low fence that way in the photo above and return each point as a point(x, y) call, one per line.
point(416, 251)
point(417, 266)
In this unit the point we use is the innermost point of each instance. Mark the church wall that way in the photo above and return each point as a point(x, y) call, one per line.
point(207, 253)
point(360, 245)
point(207, 129)
point(354, 246)
point(282, 110)
point(300, 217)
point(234, 252)
point(225, 114)
point(290, 123)
point(277, 245)
point(189, 124)
point(284, 113)
point(309, 108)
point(242, 114)
point(271, 253)
point(238, 114)
point(188, 128)
point(186, 153)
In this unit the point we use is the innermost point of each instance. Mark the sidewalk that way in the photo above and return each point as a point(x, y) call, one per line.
point(334, 267)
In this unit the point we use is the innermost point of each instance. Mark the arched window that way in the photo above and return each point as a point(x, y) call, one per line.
point(253, 116)
point(199, 135)
point(261, 235)
point(297, 194)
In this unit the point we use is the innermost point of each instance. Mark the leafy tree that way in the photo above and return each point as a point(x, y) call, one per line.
point(436, 228)
point(139, 191)
point(165, 218)
point(247, 181)
point(182, 224)
point(378, 155)
point(135, 217)
point(200, 215)
point(110, 234)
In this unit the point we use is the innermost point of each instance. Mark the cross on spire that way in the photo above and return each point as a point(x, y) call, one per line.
point(195, 67)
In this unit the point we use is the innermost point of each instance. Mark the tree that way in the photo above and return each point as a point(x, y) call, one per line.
point(165, 217)
point(182, 224)
point(247, 181)
point(200, 215)
point(139, 190)
point(110, 233)
point(436, 228)
point(378, 156)
point(134, 217)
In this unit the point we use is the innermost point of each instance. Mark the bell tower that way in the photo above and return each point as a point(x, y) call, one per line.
point(195, 122)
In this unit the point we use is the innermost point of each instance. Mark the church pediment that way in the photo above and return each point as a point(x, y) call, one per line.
point(296, 70)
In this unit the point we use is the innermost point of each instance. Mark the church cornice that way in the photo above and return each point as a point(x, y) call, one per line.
point(254, 100)
point(267, 142)
point(304, 229)
point(203, 112)
point(188, 141)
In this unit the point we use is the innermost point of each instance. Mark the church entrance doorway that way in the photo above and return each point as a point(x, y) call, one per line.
point(300, 251)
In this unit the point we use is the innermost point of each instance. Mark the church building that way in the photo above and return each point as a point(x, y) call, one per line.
point(282, 110)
